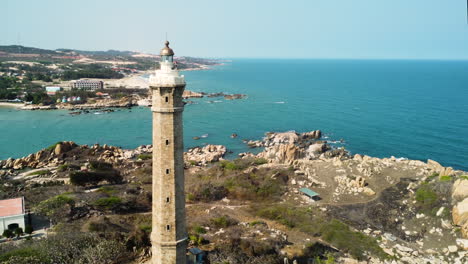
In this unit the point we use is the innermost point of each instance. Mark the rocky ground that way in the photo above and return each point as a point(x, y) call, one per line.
point(250, 210)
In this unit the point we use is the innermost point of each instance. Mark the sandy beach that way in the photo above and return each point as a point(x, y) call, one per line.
point(14, 105)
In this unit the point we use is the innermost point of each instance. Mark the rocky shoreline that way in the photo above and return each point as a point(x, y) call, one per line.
point(389, 199)
point(124, 102)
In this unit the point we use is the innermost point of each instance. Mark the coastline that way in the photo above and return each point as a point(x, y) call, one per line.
point(11, 105)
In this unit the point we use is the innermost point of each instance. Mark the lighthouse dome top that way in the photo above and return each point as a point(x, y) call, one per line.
point(166, 51)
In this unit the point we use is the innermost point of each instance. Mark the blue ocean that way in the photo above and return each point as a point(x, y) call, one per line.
point(412, 109)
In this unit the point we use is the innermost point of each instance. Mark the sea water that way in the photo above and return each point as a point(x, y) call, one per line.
point(412, 109)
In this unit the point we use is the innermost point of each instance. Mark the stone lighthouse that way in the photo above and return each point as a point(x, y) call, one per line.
point(169, 233)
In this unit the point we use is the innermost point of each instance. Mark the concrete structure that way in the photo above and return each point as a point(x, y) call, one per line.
point(52, 90)
point(12, 214)
point(169, 235)
point(87, 85)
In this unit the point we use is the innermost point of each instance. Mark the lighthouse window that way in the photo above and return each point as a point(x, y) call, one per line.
point(167, 171)
point(167, 99)
point(168, 227)
point(167, 200)
point(167, 142)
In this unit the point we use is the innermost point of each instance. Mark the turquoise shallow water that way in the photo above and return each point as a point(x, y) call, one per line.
point(412, 109)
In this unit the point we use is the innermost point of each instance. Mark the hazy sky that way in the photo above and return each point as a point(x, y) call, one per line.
point(423, 29)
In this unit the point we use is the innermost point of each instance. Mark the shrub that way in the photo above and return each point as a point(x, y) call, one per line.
point(223, 221)
point(63, 167)
point(99, 165)
point(257, 222)
point(56, 207)
point(464, 177)
point(355, 243)
point(228, 165)
point(199, 230)
point(19, 232)
point(83, 178)
point(21, 254)
point(445, 178)
point(8, 233)
point(52, 147)
point(260, 161)
point(197, 240)
point(107, 190)
point(108, 202)
point(425, 196)
point(144, 156)
point(40, 172)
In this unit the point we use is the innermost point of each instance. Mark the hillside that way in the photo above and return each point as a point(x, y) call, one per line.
point(248, 210)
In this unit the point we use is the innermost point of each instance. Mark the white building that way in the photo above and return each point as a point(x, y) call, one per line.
point(12, 214)
point(52, 90)
point(87, 85)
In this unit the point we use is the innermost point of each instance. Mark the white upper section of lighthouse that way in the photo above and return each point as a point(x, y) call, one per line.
point(167, 75)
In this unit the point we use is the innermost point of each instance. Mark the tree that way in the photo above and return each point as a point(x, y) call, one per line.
point(18, 231)
point(8, 233)
point(28, 229)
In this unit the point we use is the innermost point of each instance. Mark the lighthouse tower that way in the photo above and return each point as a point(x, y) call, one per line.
point(169, 233)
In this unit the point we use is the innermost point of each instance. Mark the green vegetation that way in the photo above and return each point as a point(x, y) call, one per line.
point(108, 202)
point(83, 178)
point(52, 147)
point(99, 165)
point(40, 172)
point(90, 71)
point(144, 156)
point(197, 240)
point(254, 223)
point(355, 243)
point(464, 177)
point(229, 179)
point(332, 231)
point(426, 197)
point(445, 178)
point(199, 230)
point(19, 232)
point(107, 190)
point(260, 161)
point(63, 167)
point(56, 207)
point(229, 165)
point(223, 221)
point(8, 233)
point(65, 248)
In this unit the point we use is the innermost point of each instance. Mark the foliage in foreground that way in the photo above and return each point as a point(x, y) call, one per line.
point(55, 208)
point(334, 232)
point(64, 248)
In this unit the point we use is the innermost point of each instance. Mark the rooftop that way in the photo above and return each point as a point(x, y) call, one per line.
point(11, 207)
point(308, 192)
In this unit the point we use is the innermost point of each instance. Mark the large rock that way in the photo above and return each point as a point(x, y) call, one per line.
point(460, 189)
point(441, 170)
point(63, 147)
point(282, 138)
point(312, 134)
point(283, 153)
point(316, 149)
point(460, 216)
point(191, 94)
point(209, 153)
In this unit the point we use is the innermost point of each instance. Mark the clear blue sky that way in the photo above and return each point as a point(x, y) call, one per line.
point(411, 29)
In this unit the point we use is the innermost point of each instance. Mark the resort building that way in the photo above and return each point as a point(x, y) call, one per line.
point(12, 214)
point(87, 85)
point(52, 90)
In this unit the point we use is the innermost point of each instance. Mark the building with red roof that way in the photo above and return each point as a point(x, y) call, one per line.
point(12, 214)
